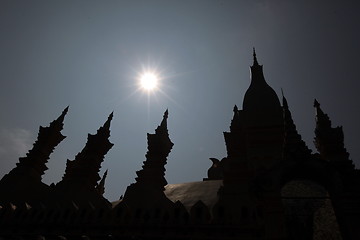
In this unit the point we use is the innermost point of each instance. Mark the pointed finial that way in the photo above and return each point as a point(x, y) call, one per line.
point(110, 117)
point(235, 109)
point(255, 59)
point(62, 116)
point(165, 117)
point(284, 101)
point(316, 103)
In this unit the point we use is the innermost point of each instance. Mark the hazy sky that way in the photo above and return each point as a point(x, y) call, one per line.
point(89, 54)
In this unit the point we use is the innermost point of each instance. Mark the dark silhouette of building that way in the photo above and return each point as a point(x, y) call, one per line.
point(269, 186)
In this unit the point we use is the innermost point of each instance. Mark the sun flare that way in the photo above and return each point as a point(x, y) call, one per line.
point(148, 81)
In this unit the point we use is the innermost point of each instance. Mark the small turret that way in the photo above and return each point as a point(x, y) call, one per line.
point(236, 121)
point(328, 141)
point(234, 139)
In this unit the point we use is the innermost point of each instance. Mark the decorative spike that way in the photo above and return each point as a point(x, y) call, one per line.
point(62, 116)
point(255, 59)
point(316, 103)
point(108, 121)
point(165, 117)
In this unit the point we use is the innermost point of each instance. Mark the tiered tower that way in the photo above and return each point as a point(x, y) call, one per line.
point(23, 183)
point(145, 198)
point(294, 147)
point(254, 146)
point(82, 174)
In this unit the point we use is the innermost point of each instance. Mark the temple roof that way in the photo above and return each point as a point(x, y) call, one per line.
point(190, 193)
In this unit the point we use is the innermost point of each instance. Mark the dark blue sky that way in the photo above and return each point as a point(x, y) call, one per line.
point(88, 54)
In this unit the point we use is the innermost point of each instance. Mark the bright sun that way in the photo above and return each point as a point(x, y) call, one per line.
point(148, 81)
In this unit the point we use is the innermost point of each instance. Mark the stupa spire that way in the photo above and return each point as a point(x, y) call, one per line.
point(48, 138)
point(294, 147)
point(108, 121)
point(163, 124)
point(86, 166)
point(259, 96)
point(328, 141)
point(159, 147)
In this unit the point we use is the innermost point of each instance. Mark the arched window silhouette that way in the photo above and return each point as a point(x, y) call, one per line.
point(180, 213)
point(199, 212)
point(308, 210)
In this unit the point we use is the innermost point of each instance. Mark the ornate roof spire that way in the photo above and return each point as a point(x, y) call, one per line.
point(294, 147)
point(108, 121)
point(159, 147)
point(322, 119)
point(48, 139)
point(86, 166)
point(148, 190)
point(328, 141)
point(163, 124)
point(60, 119)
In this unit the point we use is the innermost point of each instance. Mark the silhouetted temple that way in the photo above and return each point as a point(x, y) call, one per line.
point(269, 186)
